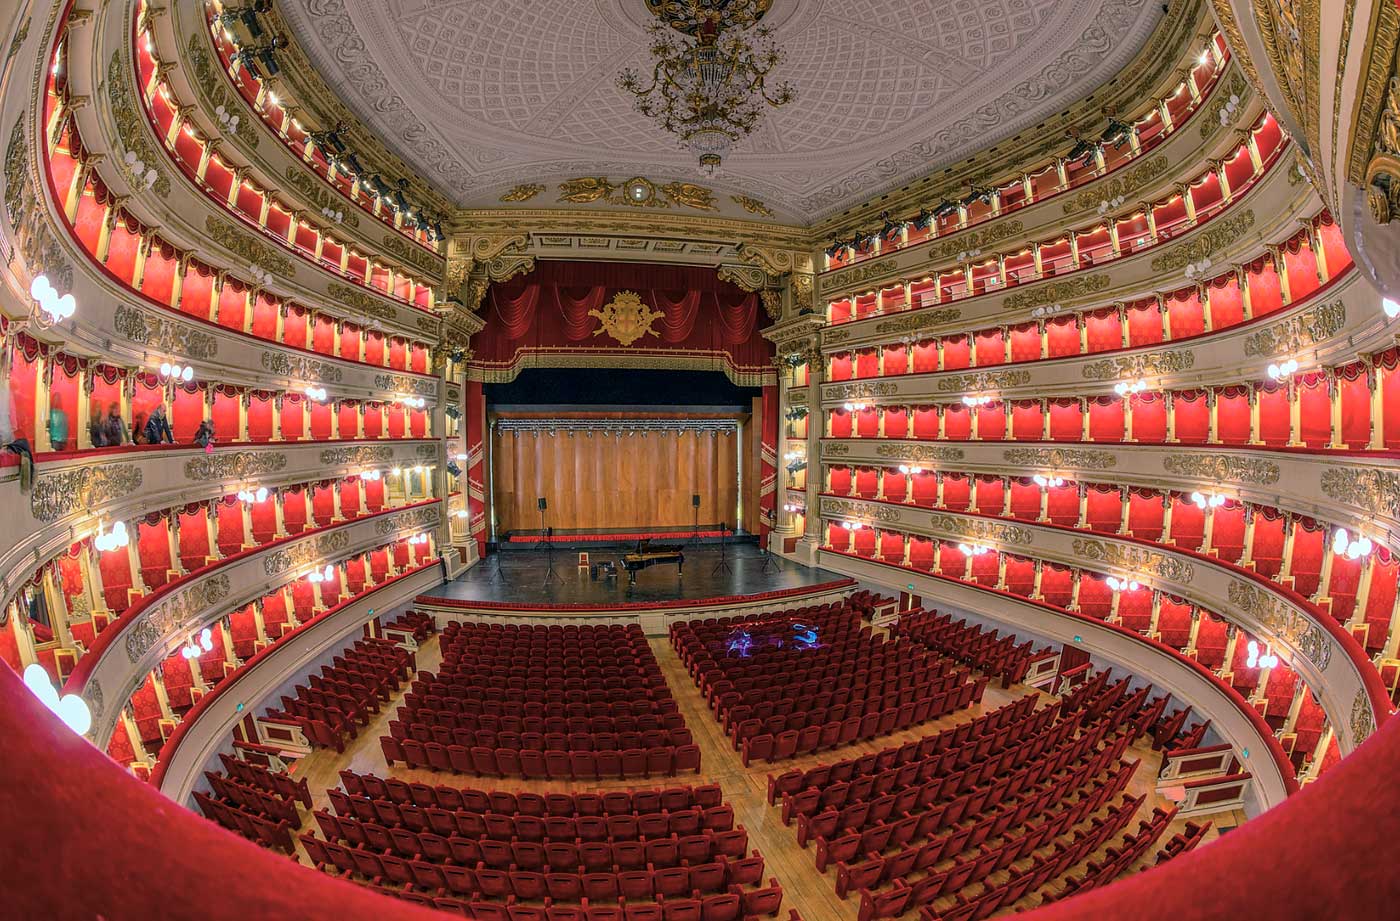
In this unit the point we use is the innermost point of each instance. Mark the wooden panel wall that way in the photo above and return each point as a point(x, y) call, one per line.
point(602, 482)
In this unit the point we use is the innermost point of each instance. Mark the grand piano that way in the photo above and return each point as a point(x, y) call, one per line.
point(648, 554)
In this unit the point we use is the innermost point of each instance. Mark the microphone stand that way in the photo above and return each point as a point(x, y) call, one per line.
point(723, 564)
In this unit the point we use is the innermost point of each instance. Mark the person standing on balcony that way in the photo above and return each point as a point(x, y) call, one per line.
point(158, 427)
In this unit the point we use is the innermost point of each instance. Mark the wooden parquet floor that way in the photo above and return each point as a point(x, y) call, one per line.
point(810, 893)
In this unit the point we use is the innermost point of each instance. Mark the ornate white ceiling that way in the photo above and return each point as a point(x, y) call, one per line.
point(482, 95)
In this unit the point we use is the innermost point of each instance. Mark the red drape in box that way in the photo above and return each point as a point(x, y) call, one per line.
point(476, 464)
point(768, 461)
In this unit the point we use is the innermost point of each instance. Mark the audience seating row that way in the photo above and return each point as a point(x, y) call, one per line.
point(614, 802)
point(259, 775)
point(536, 764)
point(1001, 657)
point(347, 691)
point(449, 729)
point(720, 907)
point(254, 799)
point(276, 834)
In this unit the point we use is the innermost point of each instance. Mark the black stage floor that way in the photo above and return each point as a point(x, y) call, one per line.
point(519, 577)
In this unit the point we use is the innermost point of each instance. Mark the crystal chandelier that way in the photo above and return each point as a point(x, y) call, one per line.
point(708, 83)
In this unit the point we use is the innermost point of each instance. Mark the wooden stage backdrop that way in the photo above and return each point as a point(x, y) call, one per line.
point(620, 481)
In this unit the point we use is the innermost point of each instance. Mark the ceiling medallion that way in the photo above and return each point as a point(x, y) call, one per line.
point(712, 60)
point(626, 318)
point(636, 192)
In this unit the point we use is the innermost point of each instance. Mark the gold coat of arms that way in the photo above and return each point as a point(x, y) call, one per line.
point(626, 319)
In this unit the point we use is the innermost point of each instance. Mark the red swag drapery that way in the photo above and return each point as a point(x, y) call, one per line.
point(551, 309)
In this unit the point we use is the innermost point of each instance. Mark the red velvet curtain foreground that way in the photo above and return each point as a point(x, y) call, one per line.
point(556, 307)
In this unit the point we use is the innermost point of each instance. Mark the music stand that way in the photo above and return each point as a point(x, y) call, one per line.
point(545, 535)
point(768, 564)
point(723, 564)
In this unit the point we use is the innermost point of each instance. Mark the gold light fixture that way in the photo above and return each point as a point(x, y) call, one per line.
point(708, 83)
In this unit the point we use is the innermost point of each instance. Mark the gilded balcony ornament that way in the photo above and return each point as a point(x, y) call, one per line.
point(1223, 468)
point(429, 450)
point(523, 192)
point(860, 390)
point(306, 552)
point(1217, 235)
point(1057, 292)
point(357, 455)
point(1129, 183)
point(752, 205)
point(245, 246)
point(1368, 488)
point(130, 122)
point(835, 449)
point(869, 511)
point(235, 465)
point(984, 380)
point(1311, 327)
point(1145, 365)
point(301, 367)
point(1233, 86)
point(163, 334)
point(1282, 621)
point(966, 242)
point(856, 274)
point(1363, 721)
point(81, 488)
point(980, 530)
point(1135, 559)
point(1072, 458)
point(402, 383)
point(919, 454)
point(173, 614)
point(360, 301)
point(314, 191)
point(920, 321)
point(96, 700)
point(426, 517)
point(214, 88)
point(411, 254)
point(24, 206)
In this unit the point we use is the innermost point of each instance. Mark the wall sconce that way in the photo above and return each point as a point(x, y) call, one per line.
point(199, 645)
point(1207, 500)
point(169, 372)
point(1257, 660)
point(1353, 548)
point(48, 307)
point(316, 393)
point(1116, 584)
point(70, 708)
point(249, 496)
point(1043, 481)
point(114, 539)
point(1123, 388)
point(1282, 370)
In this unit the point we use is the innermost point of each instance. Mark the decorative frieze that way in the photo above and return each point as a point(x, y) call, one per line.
point(1363, 721)
point(1127, 184)
point(1313, 326)
point(426, 517)
point(249, 248)
point(305, 553)
point(1068, 458)
point(963, 243)
point(1282, 620)
point(357, 455)
point(919, 321)
point(869, 511)
point(302, 367)
point(978, 381)
point(1056, 292)
point(1134, 559)
point(96, 700)
point(978, 529)
point(1217, 235)
point(859, 390)
point(235, 465)
point(855, 275)
point(1368, 489)
point(163, 334)
point(87, 488)
point(402, 383)
point(1223, 468)
point(1144, 365)
point(174, 614)
point(428, 451)
point(1233, 86)
point(121, 101)
point(919, 454)
point(360, 302)
point(835, 449)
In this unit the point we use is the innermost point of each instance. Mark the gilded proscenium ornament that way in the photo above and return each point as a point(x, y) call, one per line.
point(237, 465)
point(523, 192)
point(1056, 292)
point(1223, 468)
point(88, 488)
point(1151, 363)
point(163, 334)
point(637, 192)
point(626, 318)
point(1313, 326)
point(1079, 458)
point(1383, 172)
point(1217, 236)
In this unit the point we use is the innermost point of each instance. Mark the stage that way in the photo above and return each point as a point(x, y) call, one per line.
point(517, 580)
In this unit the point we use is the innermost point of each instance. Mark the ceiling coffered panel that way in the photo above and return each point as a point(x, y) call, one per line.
point(482, 95)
